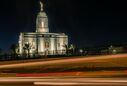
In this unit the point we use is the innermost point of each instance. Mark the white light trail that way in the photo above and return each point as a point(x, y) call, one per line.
point(62, 61)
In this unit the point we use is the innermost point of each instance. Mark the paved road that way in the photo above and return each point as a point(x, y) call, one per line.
point(61, 61)
point(61, 81)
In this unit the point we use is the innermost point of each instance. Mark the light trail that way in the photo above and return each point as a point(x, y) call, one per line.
point(57, 83)
point(60, 81)
point(62, 61)
point(77, 84)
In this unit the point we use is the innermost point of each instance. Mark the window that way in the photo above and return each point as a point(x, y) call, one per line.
point(47, 44)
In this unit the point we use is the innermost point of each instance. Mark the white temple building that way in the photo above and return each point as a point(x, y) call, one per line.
point(42, 41)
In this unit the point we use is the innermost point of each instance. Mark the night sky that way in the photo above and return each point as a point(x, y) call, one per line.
point(86, 22)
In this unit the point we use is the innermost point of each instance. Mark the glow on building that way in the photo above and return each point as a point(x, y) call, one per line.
point(42, 42)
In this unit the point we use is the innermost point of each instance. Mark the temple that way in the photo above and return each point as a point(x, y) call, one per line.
point(41, 41)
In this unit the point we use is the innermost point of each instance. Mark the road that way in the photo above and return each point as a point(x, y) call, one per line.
point(62, 61)
point(118, 60)
point(62, 81)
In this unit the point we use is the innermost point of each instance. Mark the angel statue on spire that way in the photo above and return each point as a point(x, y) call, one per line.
point(41, 4)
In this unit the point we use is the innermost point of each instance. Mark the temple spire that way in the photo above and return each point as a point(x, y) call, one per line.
point(41, 5)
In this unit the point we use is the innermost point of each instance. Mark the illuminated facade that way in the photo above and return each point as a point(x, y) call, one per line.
point(42, 42)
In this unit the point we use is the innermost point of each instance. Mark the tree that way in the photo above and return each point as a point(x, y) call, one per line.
point(14, 49)
point(27, 47)
point(70, 49)
point(67, 48)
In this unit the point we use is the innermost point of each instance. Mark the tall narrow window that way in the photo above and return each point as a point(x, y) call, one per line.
point(42, 24)
point(47, 43)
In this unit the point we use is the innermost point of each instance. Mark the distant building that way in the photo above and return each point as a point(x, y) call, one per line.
point(114, 50)
point(42, 42)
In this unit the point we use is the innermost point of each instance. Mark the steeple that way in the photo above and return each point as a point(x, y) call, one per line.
point(42, 21)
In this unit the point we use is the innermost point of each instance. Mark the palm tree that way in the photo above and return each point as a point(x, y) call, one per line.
point(27, 47)
point(72, 48)
point(67, 48)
